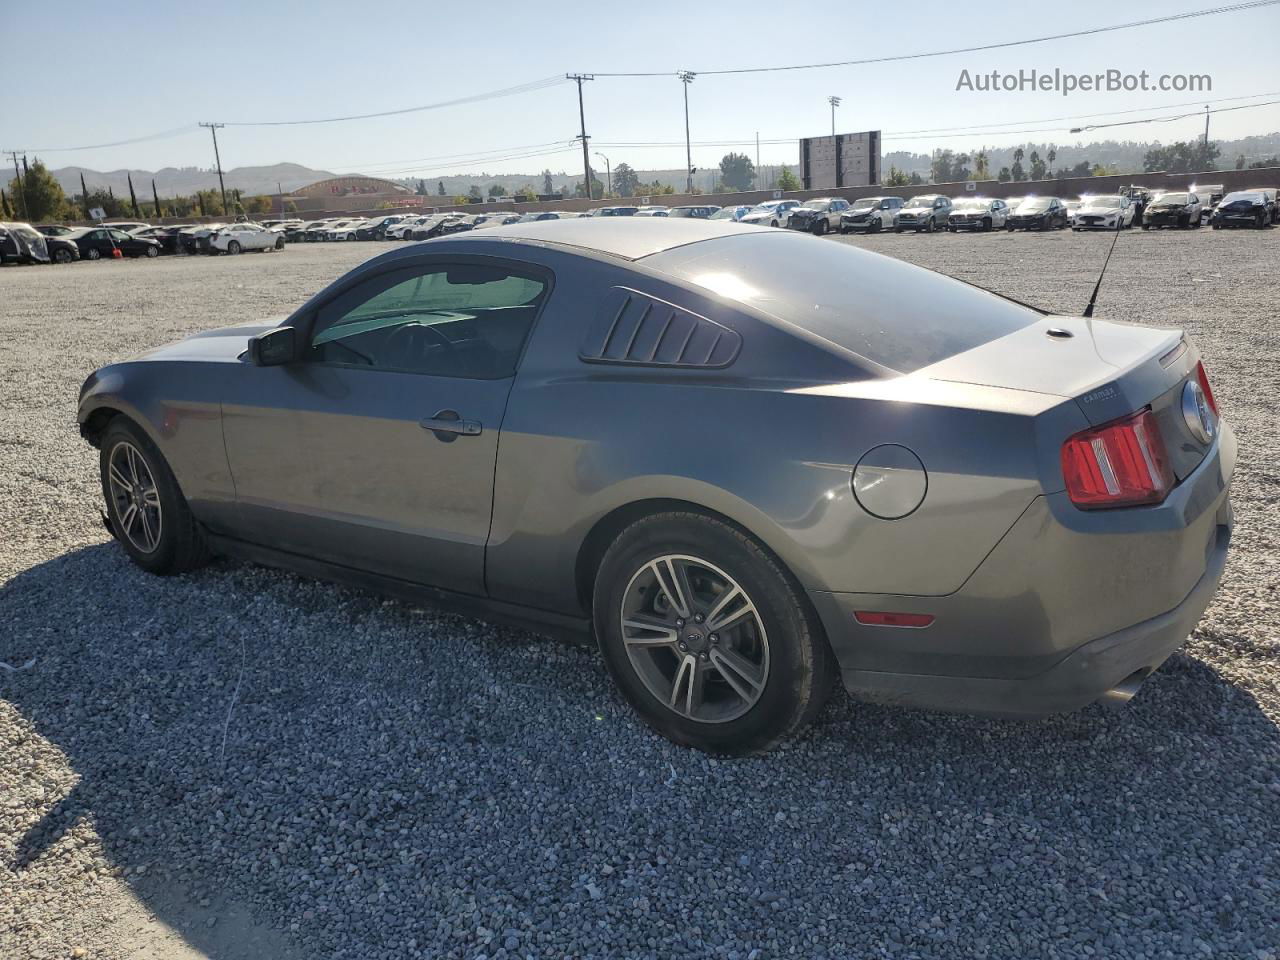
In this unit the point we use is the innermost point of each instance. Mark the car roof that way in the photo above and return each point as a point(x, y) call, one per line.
point(623, 237)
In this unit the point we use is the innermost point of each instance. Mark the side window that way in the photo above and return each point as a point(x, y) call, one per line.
point(445, 320)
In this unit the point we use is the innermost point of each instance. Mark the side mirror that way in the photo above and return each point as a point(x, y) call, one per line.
point(273, 348)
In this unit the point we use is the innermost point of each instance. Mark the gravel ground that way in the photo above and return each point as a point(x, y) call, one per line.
point(242, 763)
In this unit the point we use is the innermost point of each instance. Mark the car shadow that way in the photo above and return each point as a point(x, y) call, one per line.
point(317, 752)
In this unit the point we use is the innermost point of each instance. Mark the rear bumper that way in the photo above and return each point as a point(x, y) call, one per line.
point(1057, 615)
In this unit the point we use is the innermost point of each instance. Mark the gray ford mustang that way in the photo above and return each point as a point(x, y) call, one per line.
point(743, 460)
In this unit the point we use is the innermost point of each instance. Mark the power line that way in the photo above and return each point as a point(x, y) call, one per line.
point(175, 132)
point(1181, 116)
point(474, 98)
point(1092, 31)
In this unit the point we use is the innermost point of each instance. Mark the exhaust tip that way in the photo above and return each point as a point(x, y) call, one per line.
point(1123, 691)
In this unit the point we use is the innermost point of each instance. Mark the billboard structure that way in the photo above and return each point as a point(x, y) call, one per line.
point(844, 160)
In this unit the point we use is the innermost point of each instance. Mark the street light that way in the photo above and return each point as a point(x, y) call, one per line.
point(835, 102)
point(608, 171)
point(686, 77)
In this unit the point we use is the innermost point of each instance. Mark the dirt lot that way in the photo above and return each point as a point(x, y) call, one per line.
point(240, 763)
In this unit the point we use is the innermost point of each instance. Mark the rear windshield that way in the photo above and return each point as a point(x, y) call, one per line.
point(892, 313)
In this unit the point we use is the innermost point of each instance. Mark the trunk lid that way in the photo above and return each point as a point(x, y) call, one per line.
point(1109, 369)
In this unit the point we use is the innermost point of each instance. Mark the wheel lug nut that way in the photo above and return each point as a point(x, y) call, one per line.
point(679, 622)
point(684, 647)
point(697, 617)
point(714, 638)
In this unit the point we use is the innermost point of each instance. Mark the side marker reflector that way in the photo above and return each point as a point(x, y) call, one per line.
point(883, 618)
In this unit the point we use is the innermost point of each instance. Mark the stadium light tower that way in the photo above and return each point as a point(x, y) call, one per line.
point(835, 102)
point(686, 77)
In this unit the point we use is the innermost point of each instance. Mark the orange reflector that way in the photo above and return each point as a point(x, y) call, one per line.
point(883, 618)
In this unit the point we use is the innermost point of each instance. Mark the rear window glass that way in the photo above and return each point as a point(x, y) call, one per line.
point(892, 313)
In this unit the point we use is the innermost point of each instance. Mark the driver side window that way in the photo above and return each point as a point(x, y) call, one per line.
point(446, 320)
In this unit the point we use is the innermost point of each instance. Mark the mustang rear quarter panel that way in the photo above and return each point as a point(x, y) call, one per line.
point(770, 442)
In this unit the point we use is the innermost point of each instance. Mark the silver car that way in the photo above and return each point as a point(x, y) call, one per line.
point(747, 462)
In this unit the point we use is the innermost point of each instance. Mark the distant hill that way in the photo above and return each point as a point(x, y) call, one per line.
point(184, 181)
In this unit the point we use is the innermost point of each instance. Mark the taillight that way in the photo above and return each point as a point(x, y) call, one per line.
point(1204, 385)
point(1119, 464)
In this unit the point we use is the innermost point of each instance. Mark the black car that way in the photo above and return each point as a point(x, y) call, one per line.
point(54, 229)
point(1172, 210)
point(167, 237)
point(98, 242)
point(62, 249)
point(376, 229)
point(436, 226)
point(1038, 213)
point(22, 243)
point(1244, 208)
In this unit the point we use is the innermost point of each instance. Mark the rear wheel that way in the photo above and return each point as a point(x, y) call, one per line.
point(147, 511)
point(93, 253)
point(707, 636)
point(153, 252)
point(62, 256)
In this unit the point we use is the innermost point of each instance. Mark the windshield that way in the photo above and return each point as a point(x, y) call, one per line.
point(683, 211)
point(728, 213)
point(814, 205)
point(920, 202)
point(767, 207)
point(865, 204)
point(1034, 205)
point(529, 218)
point(1242, 198)
point(1107, 203)
point(890, 312)
point(1171, 198)
point(971, 204)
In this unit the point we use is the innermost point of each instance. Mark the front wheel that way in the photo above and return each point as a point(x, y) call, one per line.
point(153, 252)
point(711, 641)
point(62, 256)
point(93, 253)
point(820, 228)
point(279, 243)
point(233, 247)
point(146, 509)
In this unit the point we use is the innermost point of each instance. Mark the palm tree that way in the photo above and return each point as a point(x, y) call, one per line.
point(1052, 155)
point(980, 165)
point(1018, 155)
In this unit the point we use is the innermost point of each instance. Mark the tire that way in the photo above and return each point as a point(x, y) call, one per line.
point(874, 226)
point(62, 256)
point(153, 252)
point(821, 227)
point(279, 243)
point(932, 226)
point(1146, 226)
point(1262, 222)
point(781, 639)
point(93, 253)
point(986, 224)
point(180, 544)
point(897, 229)
point(233, 247)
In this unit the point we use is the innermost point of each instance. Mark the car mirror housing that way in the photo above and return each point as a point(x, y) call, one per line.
point(273, 348)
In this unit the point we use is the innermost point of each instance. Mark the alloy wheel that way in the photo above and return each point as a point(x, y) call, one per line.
point(135, 496)
point(695, 638)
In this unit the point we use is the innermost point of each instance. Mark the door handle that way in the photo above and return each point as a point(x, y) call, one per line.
point(448, 426)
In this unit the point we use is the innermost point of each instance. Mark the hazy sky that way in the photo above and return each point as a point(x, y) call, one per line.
point(161, 66)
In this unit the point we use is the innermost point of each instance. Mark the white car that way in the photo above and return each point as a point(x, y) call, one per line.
point(1101, 212)
point(977, 213)
point(346, 229)
point(771, 213)
point(237, 237)
point(397, 230)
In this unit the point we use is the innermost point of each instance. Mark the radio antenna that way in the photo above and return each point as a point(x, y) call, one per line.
point(1088, 311)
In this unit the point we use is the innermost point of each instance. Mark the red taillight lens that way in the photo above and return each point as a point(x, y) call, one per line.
point(1119, 464)
point(1204, 385)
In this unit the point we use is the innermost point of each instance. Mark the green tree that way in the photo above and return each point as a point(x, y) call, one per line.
point(597, 188)
point(526, 193)
point(980, 170)
point(104, 199)
point(440, 188)
point(1016, 170)
point(474, 193)
point(4, 206)
point(497, 190)
point(737, 171)
point(1037, 166)
point(41, 197)
point(1004, 176)
point(422, 188)
point(626, 182)
point(1182, 157)
point(547, 187)
point(895, 177)
point(1052, 155)
point(788, 180)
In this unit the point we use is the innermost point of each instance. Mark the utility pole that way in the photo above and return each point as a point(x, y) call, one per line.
point(213, 128)
point(1206, 127)
point(17, 174)
point(578, 78)
point(608, 170)
point(686, 77)
point(757, 151)
point(835, 102)
point(280, 190)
